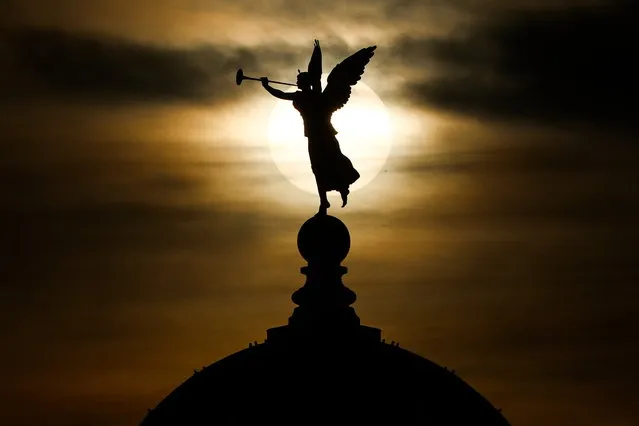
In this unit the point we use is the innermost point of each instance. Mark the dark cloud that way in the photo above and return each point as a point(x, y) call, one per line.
point(554, 67)
point(103, 68)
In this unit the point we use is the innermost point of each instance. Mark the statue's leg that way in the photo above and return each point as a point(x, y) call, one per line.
point(344, 193)
point(324, 204)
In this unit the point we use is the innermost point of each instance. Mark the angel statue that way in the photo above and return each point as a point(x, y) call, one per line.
point(333, 170)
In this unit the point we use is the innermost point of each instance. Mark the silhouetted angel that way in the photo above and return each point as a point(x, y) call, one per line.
point(333, 170)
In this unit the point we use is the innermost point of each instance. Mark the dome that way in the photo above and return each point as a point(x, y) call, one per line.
point(324, 367)
point(330, 383)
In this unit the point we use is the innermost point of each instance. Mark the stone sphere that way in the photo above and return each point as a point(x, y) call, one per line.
point(324, 239)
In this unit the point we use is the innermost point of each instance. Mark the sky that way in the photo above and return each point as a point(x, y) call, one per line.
point(146, 230)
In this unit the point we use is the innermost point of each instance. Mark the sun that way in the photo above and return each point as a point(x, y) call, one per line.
point(364, 134)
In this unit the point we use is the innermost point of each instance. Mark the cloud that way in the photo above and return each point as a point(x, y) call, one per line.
point(563, 66)
point(100, 68)
point(106, 69)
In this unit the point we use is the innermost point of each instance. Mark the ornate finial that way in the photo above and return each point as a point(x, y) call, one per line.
point(324, 301)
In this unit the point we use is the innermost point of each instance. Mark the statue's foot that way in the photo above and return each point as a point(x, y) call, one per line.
point(344, 195)
point(323, 208)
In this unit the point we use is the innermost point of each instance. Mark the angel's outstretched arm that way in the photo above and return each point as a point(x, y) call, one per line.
point(315, 68)
point(276, 92)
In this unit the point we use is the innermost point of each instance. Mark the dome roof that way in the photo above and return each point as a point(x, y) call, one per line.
point(324, 367)
point(329, 383)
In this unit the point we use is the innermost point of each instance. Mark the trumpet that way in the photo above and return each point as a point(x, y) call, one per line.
point(239, 77)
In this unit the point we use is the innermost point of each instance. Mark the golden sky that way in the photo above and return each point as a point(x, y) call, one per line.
point(146, 231)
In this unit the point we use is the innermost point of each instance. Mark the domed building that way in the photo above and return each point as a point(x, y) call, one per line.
point(324, 367)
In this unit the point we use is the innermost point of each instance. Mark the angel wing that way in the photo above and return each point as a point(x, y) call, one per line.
point(345, 75)
point(315, 68)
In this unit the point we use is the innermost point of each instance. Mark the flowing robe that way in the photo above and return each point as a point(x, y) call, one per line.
point(332, 169)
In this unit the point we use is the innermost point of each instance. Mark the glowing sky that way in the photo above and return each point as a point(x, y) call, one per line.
point(146, 231)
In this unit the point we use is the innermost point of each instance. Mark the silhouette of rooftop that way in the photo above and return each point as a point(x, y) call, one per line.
point(324, 367)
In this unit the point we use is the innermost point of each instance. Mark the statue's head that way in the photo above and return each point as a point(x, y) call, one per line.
point(303, 80)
